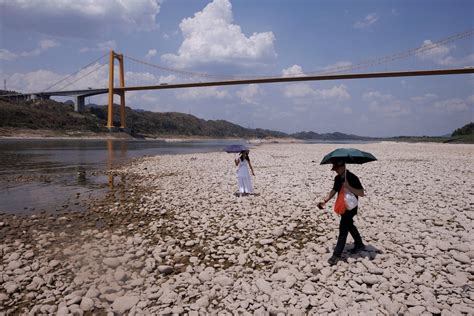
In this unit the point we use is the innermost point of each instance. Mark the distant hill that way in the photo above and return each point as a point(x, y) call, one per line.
point(52, 115)
point(467, 129)
point(60, 117)
point(329, 136)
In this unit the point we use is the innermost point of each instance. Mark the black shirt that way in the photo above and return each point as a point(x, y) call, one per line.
point(351, 178)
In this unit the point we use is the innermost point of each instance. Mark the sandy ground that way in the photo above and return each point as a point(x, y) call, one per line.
point(181, 240)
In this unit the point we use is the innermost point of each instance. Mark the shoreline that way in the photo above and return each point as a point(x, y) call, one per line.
point(174, 238)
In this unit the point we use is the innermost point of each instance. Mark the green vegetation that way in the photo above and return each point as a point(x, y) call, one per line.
point(463, 135)
point(60, 117)
point(57, 116)
point(466, 130)
point(46, 114)
point(330, 136)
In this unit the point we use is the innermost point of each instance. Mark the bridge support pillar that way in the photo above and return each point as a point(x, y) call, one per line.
point(110, 109)
point(79, 105)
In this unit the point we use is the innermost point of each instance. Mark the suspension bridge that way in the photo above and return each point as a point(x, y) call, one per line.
point(336, 73)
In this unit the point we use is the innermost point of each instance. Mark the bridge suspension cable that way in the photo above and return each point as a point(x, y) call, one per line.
point(179, 71)
point(73, 74)
point(334, 70)
point(397, 56)
point(96, 68)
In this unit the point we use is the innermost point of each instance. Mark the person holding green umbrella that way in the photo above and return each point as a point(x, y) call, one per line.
point(351, 183)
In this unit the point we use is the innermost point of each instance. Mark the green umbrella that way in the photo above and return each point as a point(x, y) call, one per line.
point(348, 155)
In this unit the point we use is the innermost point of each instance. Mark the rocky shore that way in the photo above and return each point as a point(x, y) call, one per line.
point(178, 240)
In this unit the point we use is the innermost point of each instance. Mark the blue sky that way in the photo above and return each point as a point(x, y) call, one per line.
point(42, 42)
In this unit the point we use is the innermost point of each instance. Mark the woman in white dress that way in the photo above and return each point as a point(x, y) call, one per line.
point(243, 173)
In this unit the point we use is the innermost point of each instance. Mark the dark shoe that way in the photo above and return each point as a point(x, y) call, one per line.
point(357, 249)
point(333, 260)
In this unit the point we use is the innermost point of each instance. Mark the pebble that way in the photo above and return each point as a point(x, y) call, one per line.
point(124, 303)
point(266, 241)
point(87, 304)
point(112, 262)
point(11, 287)
point(264, 286)
point(463, 258)
point(165, 269)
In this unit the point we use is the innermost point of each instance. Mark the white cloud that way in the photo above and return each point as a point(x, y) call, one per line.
point(391, 110)
point(95, 76)
point(305, 91)
point(385, 104)
point(33, 81)
point(347, 110)
point(167, 79)
point(100, 47)
point(424, 98)
point(248, 93)
point(433, 52)
point(338, 66)
point(368, 21)
point(454, 105)
point(293, 71)
point(211, 37)
point(395, 12)
point(376, 95)
point(82, 18)
point(298, 90)
point(302, 90)
point(5, 54)
point(42, 46)
point(202, 93)
point(441, 54)
point(151, 53)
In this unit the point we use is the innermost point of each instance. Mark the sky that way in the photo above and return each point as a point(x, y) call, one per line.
point(178, 41)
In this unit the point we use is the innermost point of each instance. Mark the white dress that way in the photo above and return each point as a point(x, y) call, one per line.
point(243, 174)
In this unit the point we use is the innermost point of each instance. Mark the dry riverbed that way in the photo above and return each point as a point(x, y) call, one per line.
point(178, 240)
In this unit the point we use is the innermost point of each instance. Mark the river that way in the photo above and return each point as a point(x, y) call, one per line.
point(60, 174)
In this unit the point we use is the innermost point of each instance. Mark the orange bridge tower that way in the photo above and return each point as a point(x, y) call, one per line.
point(110, 114)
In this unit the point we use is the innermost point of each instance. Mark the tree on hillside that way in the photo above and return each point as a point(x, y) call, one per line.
point(467, 129)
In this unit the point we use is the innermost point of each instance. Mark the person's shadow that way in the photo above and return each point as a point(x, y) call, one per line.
point(369, 252)
point(238, 194)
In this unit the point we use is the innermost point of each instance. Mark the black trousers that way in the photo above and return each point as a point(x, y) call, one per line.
point(346, 225)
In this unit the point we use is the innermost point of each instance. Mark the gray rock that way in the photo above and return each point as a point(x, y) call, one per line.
point(205, 275)
point(266, 241)
point(463, 258)
point(165, 269)
point(93, 292)
point(54, 263)
point(73, 300)
point(150, 265)
point(112, 262)
point(203, 301)
point(62, 310)
point(11, 287)
point(458, 279)
point(3, 297)
point(87, 304)
point(416, 310)
point(264, 286)
point(308, 289)
point(223, 280)
point(278, 232)
point(15, 264)
point(370, 279)
point(120, 275)
point(124, 303)
point(13, 256)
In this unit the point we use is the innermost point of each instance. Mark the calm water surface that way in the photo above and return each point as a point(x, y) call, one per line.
point(37, 175)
